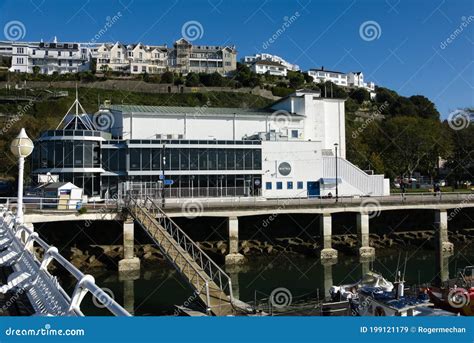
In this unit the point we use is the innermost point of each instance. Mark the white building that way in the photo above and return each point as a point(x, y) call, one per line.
point(183, 57)
point(322, 75)
point(352, 79)
point(249, 60)
point(48, 58)
point(272, 68)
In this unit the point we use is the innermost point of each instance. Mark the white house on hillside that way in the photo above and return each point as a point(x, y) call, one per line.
point(249, 60)
point(273, 68)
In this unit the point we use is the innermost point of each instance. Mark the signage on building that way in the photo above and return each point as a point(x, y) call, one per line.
point(284, 168)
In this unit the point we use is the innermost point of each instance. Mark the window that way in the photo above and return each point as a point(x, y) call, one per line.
point(70, 53)
point(289, 185)
point(268, 185)
point(279, 185)
point(19, 60)
point(20, 50)
point(33, 52)
point(294, 133)
point(300, 184)
point(135, 68)
point(59, 53)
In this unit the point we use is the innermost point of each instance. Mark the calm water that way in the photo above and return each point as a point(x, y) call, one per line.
point(159, 287)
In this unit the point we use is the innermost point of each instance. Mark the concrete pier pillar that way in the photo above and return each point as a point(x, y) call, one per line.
point(234, 277)
point(128, 282)
point(365, 250)
point(328, 253)
point(441, 227)
point(234, 257)
point(328, 279)
point(129, 262)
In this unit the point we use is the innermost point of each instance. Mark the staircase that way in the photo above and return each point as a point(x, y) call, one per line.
point(354, 176)
point(210, 283)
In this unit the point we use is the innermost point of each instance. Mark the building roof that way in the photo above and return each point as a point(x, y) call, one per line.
point(269, 63)
point(328, 71)
point(57, 185)
point(189, 110)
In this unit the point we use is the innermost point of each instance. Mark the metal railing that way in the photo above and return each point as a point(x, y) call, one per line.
point(46, 295)
point(213, 273)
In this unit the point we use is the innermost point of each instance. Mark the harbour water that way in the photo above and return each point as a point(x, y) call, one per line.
point(159, 287)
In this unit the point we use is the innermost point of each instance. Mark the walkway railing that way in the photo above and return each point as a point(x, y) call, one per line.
point(32, 277)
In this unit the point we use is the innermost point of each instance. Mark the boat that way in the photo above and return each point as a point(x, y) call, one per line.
point(455, 295)
point(369, 280)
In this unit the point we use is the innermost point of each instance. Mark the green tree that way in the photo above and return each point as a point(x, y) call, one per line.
point(296, 79)
point(192, 80)
point(360, 95)
point(424, 107)
point(167, 77)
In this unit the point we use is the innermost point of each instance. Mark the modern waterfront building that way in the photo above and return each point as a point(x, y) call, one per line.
point(285, 150)
point(48, 58)
point(250, 60)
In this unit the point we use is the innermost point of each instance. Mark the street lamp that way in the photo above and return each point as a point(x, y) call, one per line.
point(21, 147)
point(163, 165)
point(337, 184)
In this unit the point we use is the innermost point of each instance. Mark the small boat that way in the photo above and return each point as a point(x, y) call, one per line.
point(378, 302)
point(369, 280)
point(456, 295)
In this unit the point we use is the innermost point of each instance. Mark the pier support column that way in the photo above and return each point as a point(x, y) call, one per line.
point(444, 248)
point(234, 257)
point(129, 262)
point(328, 280)
point(128, 281)
point(328, 253)
point(441, 224)
point(365, 250)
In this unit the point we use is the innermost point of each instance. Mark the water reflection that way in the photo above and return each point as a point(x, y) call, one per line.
point(160, 287)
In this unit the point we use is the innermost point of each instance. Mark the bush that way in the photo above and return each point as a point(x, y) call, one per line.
point(167, 77)
point(282, 92)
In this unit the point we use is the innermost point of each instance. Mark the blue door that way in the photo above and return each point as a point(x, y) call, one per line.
point(313, 189)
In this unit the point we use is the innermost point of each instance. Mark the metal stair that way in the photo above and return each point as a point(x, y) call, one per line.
point(211, 284)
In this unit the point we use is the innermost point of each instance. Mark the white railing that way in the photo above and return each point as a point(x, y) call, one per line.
point(32, 277)
point(367, 184)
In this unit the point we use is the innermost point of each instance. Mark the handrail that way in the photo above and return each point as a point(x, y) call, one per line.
point(210, 268)
point(86, 283)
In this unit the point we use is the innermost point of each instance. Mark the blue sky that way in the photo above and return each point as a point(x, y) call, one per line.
point(409, 52)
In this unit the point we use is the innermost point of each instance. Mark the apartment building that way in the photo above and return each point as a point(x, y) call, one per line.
point(250, 60)
point(183, 57)
point(272, 68)
point(351, 79)
point(48, 57)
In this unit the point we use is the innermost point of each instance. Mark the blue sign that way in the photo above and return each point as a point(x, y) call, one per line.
point(168, 182)
point(161, 177)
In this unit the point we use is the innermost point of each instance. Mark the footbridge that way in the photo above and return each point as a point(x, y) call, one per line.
point(210, 283)
point(28, 278)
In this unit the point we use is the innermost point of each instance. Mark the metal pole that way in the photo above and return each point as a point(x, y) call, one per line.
point(163, 175)
point(19, 210)
point(337, 184)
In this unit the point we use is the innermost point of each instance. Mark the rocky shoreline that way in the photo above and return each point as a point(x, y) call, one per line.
point(107, 256)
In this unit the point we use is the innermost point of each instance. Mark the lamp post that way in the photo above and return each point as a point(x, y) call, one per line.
point(21, 147)
point(337, 184)
point(163, 165)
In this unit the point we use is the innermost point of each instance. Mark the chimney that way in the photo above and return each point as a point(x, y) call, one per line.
point(322, 67)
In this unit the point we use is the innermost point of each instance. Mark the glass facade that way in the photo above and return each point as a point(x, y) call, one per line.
point(240, 160)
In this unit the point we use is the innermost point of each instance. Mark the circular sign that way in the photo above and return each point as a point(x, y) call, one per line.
point(284, 169)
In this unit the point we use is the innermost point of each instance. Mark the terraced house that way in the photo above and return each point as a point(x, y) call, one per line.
point(183, 57)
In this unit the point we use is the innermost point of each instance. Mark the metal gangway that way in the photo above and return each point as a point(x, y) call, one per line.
point(210, 283)
point(31, 277)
